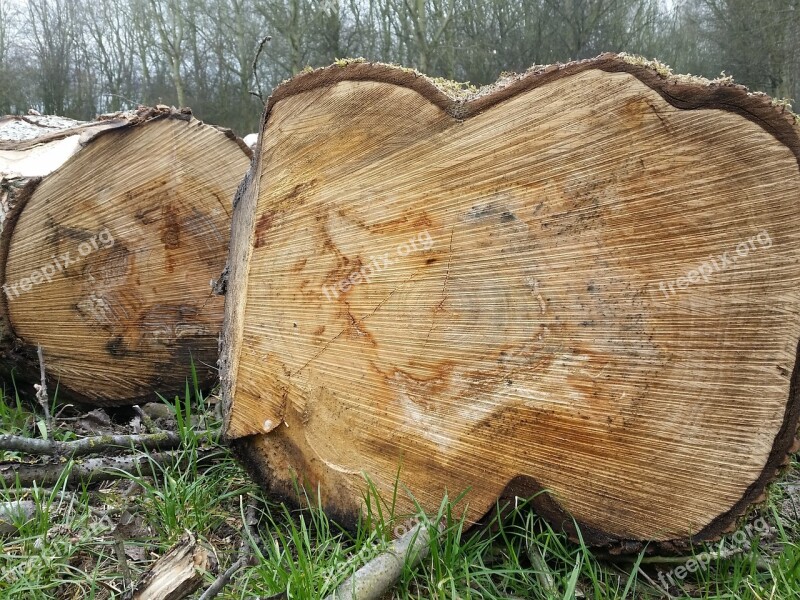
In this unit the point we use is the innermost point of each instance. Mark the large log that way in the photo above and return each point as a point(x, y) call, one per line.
point(111, 234)
point(583, 280)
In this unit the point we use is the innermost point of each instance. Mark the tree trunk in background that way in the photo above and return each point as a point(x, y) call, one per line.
point(583, 280)
point(111, 234)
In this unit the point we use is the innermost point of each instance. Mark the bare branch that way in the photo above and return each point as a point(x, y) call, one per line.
point(375, 578)
point(245, 556)
point(92, 470)
point(258, 93)
point(101, 444)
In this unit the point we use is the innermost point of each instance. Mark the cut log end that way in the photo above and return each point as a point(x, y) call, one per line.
point(108, 261)
point(581, 284)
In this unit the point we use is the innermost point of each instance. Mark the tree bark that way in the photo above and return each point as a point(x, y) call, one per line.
point(376, 578)
point(578, 285)
point(111, 234)
point(177, 574)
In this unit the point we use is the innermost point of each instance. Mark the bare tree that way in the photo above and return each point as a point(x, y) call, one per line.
point(54, 28)
point(757, 41)
point(113, 52)
point(5, 71)
point(5, 10)
point(422, 25)
point(168, 17)
point(76, 56)
point(290, 20)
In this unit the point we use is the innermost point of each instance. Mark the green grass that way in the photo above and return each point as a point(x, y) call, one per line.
point(14, 417)
point(72, 547)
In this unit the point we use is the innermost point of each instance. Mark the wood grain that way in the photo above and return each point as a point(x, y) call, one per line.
point(525, 342)
point(126, 237)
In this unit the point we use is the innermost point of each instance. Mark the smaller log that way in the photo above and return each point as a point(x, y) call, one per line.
point(176, 574)
point(110, 235)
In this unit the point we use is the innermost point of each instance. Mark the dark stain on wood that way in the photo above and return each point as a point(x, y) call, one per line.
point(262, 226)
point(116, 347)
point(145, 216)
point(171, 228)
point(298, 190)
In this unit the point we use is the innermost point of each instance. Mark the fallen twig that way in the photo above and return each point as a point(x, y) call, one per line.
point(375, 578)
point(119, 550)
point(90, 470)
point(679, 560)
point(655, 585)
point(245, 556)
point(221, 581)
point(101, 444)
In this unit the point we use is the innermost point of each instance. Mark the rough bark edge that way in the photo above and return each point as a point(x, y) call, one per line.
point(103, 124)
point(12, 355)
point(229, 133)
point(113, 121)
point(683, 92)
point(31, 120)
point(234, 285)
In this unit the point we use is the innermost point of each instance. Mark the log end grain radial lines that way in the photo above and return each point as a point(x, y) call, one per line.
point(581, 282)
point(112, 233)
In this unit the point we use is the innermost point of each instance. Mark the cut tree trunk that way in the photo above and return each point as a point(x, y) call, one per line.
point(582, 281)
point(111, 234)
